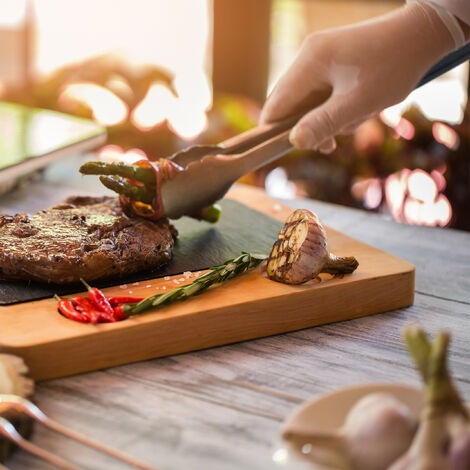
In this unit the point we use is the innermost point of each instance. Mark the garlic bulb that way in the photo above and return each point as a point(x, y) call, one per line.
point(378, 429)
point(13, 378)
point(301, 252)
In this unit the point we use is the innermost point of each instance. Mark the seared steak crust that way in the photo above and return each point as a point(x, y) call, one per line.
point(84, 237)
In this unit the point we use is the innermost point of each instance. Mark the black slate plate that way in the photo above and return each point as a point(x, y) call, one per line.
point(199, 246)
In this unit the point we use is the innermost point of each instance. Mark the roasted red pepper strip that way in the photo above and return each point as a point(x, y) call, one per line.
point(99, 300)
point(87, 308)
point(117, 300)
point(68, 310)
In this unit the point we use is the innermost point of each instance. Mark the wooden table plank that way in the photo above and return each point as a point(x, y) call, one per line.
point(220, 408)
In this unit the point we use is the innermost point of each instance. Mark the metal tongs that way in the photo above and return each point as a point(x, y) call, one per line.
point(210, 170)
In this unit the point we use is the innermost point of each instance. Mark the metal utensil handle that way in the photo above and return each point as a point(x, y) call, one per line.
point(267, 152)
point(447, 63)
point(8, 431)
point(253, 137)
point(95, 445)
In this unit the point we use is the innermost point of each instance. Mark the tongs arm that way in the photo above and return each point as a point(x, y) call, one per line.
point(264, 153)
point(256, 136)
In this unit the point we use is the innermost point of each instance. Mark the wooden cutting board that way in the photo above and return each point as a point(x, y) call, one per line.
point(247, 307)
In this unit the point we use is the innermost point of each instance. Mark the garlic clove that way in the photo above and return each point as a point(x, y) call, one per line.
point(12, 376)
point(301, 251)
point(378, 429)
point(459, 452)
point(459, 449)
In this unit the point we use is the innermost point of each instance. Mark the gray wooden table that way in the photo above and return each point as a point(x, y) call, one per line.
point(222, 408)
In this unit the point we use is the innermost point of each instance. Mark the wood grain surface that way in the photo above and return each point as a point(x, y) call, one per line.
point(222, 408)
point(248, 307)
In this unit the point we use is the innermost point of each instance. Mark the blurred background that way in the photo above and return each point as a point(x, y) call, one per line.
point(162, 75)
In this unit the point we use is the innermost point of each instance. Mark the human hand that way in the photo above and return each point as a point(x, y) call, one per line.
point(349, 74)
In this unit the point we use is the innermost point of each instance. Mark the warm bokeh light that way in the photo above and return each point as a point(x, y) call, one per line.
point(412, 211)
point(443, 211)
point(174, 35)
point(404, 129)
point(194, 89)
point(445, 135)
point(439, 179)
point(369, 191)
point(443, 99)
point(154, 108)
point(395, 192)
point(114, 153)
point(421, 186)
point(185, 113)
point(430, 214)
point(277, 184)
point(373, 194)
point(413, 197)
point(187, 123)
point(107, 108)
point(187, 116)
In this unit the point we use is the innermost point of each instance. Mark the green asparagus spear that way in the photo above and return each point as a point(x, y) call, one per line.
point(419, 348)
point(216, 275)
point(121, 186)
point(431, 362)
point(133, 172)
point(114, 180)
point(210, 214)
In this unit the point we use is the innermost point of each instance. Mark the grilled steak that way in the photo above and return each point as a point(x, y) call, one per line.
point(84, 237)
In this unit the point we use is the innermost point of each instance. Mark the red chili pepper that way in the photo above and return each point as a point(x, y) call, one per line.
point(118, 313)
point(87, 308)
point(100, 301)
point(115, 301)
point(68, 310)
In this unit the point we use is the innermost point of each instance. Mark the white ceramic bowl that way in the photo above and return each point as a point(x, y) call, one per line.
point(327, 414)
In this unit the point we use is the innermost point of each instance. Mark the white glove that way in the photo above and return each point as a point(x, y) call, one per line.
point(459, 8)
point(359, 70)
